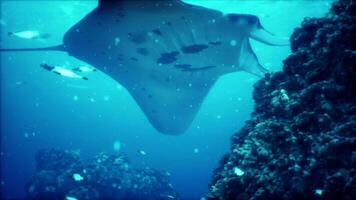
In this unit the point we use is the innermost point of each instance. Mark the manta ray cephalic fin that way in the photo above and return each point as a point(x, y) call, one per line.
point(261, 35)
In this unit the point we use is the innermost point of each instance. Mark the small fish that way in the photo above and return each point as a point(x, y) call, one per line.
point(84, 69)
point(30, 34)
point(63, 71)
point(142, 152)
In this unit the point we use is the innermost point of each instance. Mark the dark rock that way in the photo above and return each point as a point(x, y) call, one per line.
point(62, 174)
point(301, 140)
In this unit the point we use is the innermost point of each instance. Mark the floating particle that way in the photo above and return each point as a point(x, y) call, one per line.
point(70, 198)
point(142, 152)
point(106, 98)
point(78, 177)
point(319, 192)
point(218, 116)
point(75, 98)
point(196, 150)
point(170, 197)
point(233, 43)
point(126, 166)
point(116, 41)
point(3, 22)
point(117, 145)
point(18, 82)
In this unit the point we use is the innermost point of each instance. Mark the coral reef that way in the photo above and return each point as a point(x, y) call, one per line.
point(300, 142)
point(63, 175)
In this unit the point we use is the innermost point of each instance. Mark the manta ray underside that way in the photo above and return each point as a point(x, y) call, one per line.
point(167, 54)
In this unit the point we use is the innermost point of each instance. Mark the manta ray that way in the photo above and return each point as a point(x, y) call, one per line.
point(166, 53)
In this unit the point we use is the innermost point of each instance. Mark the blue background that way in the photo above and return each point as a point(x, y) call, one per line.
point(39, 109)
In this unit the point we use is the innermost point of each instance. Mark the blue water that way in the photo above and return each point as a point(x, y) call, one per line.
point(44, 110)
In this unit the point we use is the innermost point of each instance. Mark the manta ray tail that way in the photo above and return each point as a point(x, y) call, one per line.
point(60, 47)
point(261, 35)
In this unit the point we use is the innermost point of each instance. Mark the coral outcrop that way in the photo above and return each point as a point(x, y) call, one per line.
point(301, 140)
point(63, 175)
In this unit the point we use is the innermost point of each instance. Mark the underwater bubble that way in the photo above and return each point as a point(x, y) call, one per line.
point(75, 98)
point(196, 150)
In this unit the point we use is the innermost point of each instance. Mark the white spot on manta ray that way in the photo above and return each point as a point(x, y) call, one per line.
point(170, 104)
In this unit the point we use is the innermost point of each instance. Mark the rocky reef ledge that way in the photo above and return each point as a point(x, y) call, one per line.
point(63, 175)
point(300, 142)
